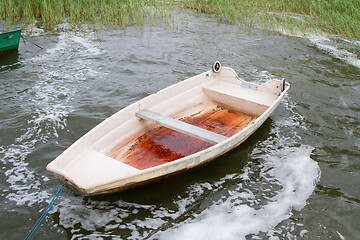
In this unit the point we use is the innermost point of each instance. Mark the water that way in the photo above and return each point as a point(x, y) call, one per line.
point(297, 177)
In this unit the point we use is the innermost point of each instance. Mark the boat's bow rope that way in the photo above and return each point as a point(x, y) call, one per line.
point(24, 38)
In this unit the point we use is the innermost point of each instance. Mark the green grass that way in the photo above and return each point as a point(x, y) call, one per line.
point(338, 17)
point(49, 13)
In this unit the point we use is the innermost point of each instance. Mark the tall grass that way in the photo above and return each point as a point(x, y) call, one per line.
point(49, 13)
point(339, 17)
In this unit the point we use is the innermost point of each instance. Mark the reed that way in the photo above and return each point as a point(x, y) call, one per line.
point(335, 17)
point(49, 13)
point(332, 16)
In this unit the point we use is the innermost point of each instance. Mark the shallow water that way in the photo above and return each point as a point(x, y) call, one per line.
point(297, 177)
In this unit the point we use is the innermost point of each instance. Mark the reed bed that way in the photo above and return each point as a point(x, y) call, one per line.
point(49, 13)
point(338, 17)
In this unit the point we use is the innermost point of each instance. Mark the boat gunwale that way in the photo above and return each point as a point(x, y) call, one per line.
point(13, 30)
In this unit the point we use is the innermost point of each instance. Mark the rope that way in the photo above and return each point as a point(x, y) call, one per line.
point(45, 212)
point(24, 38)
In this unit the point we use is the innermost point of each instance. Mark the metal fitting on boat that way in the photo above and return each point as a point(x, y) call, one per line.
point(216, 67)
point(283, 84)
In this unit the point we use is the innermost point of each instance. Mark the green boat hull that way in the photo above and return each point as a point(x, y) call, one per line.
point(9, 41)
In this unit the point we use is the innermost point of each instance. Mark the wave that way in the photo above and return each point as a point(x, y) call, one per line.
point(343, 49)
point(288, 177)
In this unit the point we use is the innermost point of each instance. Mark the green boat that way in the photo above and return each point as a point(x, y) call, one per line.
point(9, 41)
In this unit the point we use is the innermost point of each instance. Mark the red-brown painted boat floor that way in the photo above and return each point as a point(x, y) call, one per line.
point(161, 145)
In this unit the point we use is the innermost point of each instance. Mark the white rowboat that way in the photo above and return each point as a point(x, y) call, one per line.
point(178, 128)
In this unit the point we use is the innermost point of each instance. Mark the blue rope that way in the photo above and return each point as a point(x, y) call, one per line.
point(45, 212)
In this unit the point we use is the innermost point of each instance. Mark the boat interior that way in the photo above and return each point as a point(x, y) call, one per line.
point(160, 144)
point(222, 109)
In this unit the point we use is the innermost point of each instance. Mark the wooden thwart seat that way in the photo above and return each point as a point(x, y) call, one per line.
point(182, 127)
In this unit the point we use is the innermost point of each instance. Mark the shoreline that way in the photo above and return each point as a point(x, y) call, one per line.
point(333, 18)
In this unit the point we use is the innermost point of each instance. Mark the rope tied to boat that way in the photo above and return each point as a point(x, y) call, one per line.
point(24, 38)
point(45, 212)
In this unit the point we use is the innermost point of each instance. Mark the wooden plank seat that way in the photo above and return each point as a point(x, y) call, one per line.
point(182, 127)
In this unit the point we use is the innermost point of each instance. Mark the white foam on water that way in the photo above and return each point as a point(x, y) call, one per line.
point(332, 48)
point(48, 102)
point(324, 42)
point(340, 235)
point(88, 46)
point(294, 171)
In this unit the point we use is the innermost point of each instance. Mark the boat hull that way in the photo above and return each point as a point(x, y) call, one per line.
point(90, 167)
point(9, 41)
